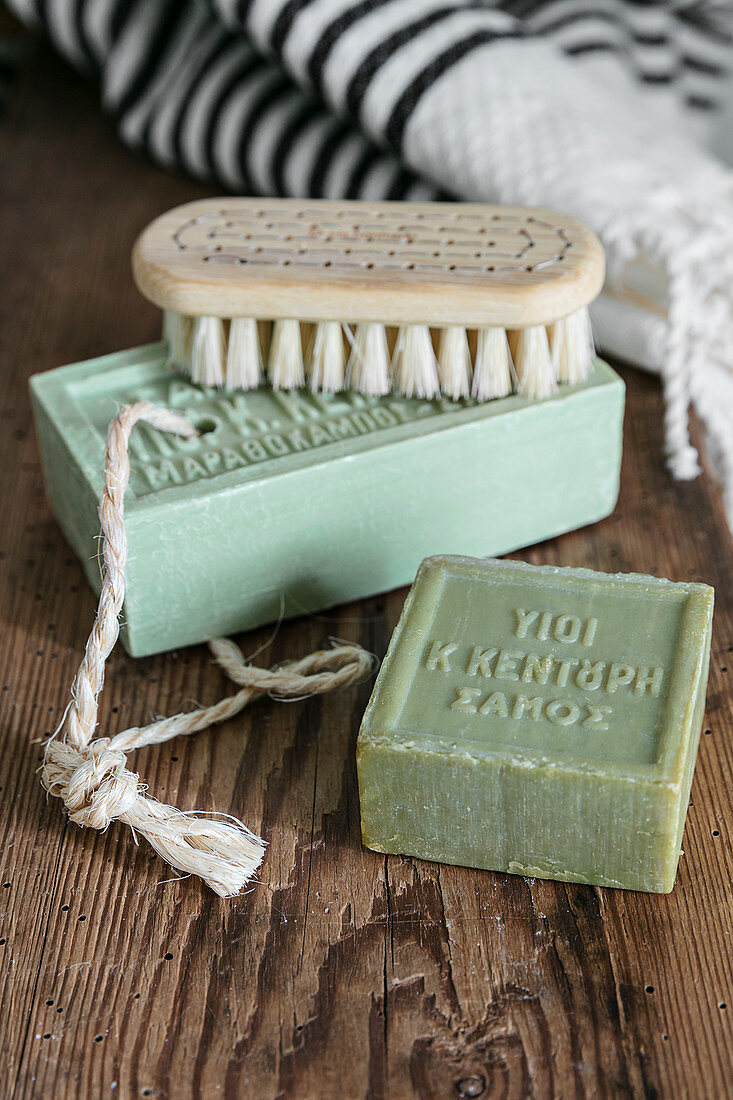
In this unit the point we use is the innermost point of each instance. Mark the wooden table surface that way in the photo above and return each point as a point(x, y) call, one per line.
point(346, 973)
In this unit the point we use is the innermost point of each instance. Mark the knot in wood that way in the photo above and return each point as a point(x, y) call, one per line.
point(93, 782)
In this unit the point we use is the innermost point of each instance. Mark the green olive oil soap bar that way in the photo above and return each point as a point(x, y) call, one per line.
point(310, 499)
point(538, 720)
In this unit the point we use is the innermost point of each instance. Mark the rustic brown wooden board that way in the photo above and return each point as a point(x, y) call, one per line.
point(346, 974)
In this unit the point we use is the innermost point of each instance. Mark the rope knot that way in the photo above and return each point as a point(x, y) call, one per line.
point(94, 782)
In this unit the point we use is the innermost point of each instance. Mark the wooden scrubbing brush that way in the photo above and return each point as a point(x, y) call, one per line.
point(464, 299)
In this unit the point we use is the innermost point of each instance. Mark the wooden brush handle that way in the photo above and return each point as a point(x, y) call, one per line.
point(466, 264)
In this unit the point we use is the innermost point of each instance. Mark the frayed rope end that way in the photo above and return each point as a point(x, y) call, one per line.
point(97, 788)
point(224, 854)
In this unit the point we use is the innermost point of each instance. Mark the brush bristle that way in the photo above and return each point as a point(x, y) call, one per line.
point(492, 373)
point(285, 366)
point(244, 355)
point(414, 366)
point(207, 351)
point(529, 361)
point(368, 368)
point(177, 330)
point(326, 361)
point(532, 361)
point(571, 342)
point(454, 363)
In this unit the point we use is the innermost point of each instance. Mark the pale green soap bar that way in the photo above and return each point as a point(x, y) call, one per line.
point(314, 499)
point(538, 720)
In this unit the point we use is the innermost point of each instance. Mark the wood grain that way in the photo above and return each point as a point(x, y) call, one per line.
point(396, 263)
point(345, 974)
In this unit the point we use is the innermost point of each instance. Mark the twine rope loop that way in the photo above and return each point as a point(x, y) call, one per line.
point(90, 775)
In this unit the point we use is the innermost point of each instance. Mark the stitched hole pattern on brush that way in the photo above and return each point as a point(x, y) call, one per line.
point(357, 237)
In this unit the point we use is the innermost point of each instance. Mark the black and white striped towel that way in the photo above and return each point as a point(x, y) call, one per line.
point(618, 111)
